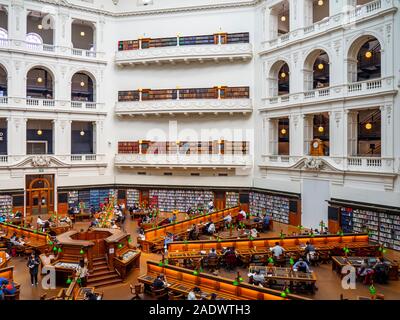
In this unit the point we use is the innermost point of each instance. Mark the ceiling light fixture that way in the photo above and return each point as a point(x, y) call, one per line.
point(39, 80)
point(283, 75)
point(368, 54)
point(320, 2)
point(368, 126)
point(82, 84)
point(321, 66)
point(82, 133)
point(283, 131)
point(321, 129)
point(39, 132)
point(82, 33)
point(40, 27)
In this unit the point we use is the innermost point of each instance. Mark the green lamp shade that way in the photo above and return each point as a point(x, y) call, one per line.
point(50, 243)
point(160, 264)
point(291, 261)
point(55, 249)
point(283, 294)
point(120, 245)
point(81, 252)
point(372, 289)
point(69, 281)
point(195, 272)
point(240, 279)
point(235, 283)
point(59, 250)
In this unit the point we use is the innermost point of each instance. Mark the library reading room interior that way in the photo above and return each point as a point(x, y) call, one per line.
point(199, 150)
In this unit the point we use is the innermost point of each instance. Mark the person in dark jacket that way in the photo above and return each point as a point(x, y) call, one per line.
point(33, 265)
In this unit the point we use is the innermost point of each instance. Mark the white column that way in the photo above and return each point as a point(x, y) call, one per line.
point(333, 132)
point(297, 14)
point(98, 139)
point(337, 6)
point(273, 136)
point(351, 65)
point(296, 134)
point(308, 132)
point(271, 22)
point(387, 131)
point(16, 132)
point(63, 29)
point(352, 132)
point(17, 20)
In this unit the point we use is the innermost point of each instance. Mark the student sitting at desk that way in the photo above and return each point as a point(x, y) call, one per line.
point(173, 218)
point(40, 223)
point(301, 266)
point(366, 272)
point(193, 293)
point(277, 250)
point(212, 253)
point(309, 252)
point(266, 221)
point(168, 239)
point(159, 282)
point(381, 271)
point(254, 233)
point(258, 278)
point(210, 228)
point(228, 220)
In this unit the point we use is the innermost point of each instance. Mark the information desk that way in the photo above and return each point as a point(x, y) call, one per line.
point(261, 246)
point(33, 239)
point(280, 277)
point(98, 242)
point(156, 235)
point(126, 260)
point(182, 280)
point(338, 262)
point(65, 269)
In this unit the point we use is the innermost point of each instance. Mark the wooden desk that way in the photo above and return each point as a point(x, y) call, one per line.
point(127, 260)
point(261, 246)
point(156, 235)
point(183, 280)
point(33, 239)
point(338, 262)
point(3, 259)
point(296, 280)
point(8, 273)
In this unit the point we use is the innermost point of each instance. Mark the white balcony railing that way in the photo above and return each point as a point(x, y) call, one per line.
point(49, 49)
point(184, 106)
point(52, 161)
point(349, 16)
point(183, 160)
point(185, 53)
point(375, 86)
point(351, 163)
point(51, 105)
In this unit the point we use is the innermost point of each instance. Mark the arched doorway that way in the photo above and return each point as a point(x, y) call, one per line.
point(40, 195)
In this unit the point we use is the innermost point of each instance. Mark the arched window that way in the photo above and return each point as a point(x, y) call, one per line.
point(317, 70)
point(3, 34)
point(279, 79)
point(82, 88)
point(3, 82)
point(33, 38)
point(39, 84)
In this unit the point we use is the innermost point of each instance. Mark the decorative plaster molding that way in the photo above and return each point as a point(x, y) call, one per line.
point(183, 106)
point(184, 53)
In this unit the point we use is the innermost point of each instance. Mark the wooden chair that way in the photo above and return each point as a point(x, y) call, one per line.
point(136, 291)
point(159, 294)
point(175, 296)
point(324, 257)
point(245, 259)
point(212, 263)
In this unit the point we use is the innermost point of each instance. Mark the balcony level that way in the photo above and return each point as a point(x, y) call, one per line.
point(349, 91)
point(52, 161)
point(214, 47)
point(338, 21)
point(216, 100)
point(50, 105)
point(354, 164)
point(50, 50)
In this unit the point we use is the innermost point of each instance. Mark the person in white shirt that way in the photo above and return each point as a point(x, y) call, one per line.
point(254, 233)
point(277, 250)
point(211, 206)
point(228, 219)
point(192, 294)
point(243, 213)
point(40, 222)
point(211, 228)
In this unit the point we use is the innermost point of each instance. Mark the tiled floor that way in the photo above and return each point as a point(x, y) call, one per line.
point(328, 283)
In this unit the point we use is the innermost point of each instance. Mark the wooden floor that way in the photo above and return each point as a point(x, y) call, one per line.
point(328, 283)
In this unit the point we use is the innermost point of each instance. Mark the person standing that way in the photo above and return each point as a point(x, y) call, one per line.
point(33, 265)
point(82, 273)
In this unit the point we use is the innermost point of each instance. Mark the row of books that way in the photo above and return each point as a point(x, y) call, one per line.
point(6, 204)
point(184, 94)
point(170, 200)
point(184, 147)
point(132, 197)
point(275, 206)
point(220, 38)
point(231, 199)
point(383, 228)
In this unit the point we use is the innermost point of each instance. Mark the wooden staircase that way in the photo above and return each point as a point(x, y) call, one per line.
point(101, 276)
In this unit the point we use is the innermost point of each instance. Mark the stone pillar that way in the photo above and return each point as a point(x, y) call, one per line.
point(17, 21)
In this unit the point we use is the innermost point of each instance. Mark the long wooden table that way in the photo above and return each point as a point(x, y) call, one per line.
point(183, 280)
point(338, 262)
point(156, 235)
point(295, 280)
point(261, 246)
point(8, 273)
point(33, 239)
